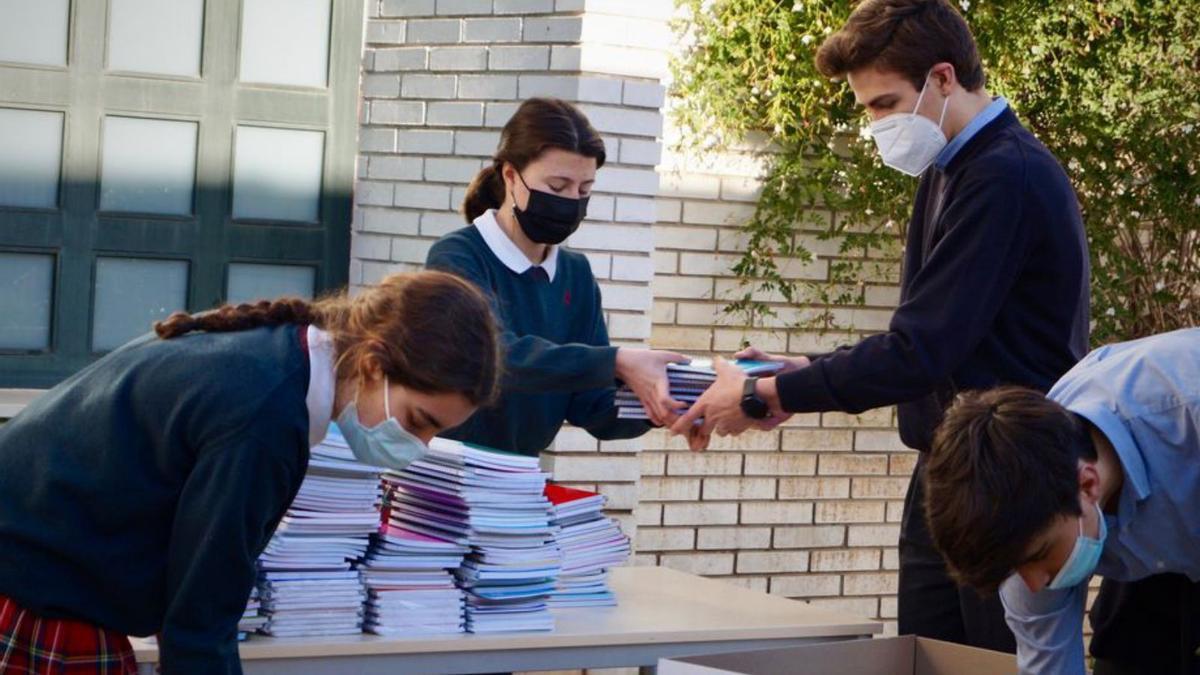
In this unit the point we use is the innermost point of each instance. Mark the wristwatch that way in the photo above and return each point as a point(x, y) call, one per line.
point(754, 407)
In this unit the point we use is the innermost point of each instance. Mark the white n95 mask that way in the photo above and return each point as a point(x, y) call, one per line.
point(909, 142)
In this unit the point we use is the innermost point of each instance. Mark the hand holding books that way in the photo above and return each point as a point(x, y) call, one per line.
point(644, 373)
point(719, 407)
point(690, 384)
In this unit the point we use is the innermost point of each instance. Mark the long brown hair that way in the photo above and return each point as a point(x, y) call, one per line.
point(430, 331)
point(539, 124)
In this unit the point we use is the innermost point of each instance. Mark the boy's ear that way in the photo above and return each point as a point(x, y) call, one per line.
point(1089, 480)
point(944, 77)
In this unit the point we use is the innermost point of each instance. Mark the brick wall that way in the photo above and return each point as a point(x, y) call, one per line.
point(810, 510)
point(807, 511)
point(441, 77)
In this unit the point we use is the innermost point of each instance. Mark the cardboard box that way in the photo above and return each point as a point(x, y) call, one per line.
point(906, 655)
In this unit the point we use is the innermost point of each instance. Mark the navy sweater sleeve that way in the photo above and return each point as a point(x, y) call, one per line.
point(595, 409)
point(231, 502)
point(950, 307)
point(532, 364)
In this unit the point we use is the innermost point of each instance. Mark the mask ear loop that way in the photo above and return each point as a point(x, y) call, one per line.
point(527, 189)
point(921, 96)
point(945, 104)
point(357, 390)
point(387, 403)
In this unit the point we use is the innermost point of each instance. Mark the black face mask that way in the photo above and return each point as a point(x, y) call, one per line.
point(548, 218)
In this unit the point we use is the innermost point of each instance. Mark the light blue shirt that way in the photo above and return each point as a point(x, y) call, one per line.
point(1144, 396)
point(997, 106)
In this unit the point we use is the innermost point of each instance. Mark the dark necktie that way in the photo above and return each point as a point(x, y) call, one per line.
point(538, 274)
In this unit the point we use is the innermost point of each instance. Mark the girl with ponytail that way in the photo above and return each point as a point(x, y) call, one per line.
point(558, 365)
point(136, 496)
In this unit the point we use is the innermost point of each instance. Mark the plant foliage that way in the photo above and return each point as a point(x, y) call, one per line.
point(1112, 87)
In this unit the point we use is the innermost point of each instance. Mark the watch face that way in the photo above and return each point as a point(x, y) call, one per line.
point(754, 407)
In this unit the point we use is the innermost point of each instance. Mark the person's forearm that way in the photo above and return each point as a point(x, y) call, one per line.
point(766, 390)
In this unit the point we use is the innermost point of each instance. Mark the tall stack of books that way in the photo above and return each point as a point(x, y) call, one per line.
point(307, 585)
point(410, 586)
point(251, 620)
point(493, 502)
point(687, 382)
point(590, 543)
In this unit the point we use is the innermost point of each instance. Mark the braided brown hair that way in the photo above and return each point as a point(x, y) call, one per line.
point(429, 331)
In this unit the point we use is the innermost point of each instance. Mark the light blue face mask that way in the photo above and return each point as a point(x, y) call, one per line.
point(386, 444)
point(1084, 557)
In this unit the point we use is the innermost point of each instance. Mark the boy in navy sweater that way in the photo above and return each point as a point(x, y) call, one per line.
point(995, 283)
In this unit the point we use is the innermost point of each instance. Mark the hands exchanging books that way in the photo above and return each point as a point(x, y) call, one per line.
point(719, 409)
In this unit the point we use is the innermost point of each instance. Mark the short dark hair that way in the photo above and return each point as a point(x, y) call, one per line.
point(904, 36)
point(1003, 466)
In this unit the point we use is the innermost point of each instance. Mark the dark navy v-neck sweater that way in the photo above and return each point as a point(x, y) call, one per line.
point(994, 290)
point(559, 365)
point(138, 494)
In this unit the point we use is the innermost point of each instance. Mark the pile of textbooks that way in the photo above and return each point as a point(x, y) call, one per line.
point(410, 586)
point(307, 583)
point(590, 544)
point(251, 620)
point(492, 503)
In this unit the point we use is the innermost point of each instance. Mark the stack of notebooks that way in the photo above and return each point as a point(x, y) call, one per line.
point(307, 585)
point(687, 382)
point(410, 587)
point(493, 502)
point(251, 621)
point(590, 544)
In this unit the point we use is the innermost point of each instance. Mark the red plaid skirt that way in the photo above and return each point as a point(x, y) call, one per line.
point(37, 646)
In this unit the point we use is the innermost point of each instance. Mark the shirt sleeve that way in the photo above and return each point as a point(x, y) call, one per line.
point(951, 305)
point(1048, 626)
point(595, 410)
point(228, 509)
point(532, 363)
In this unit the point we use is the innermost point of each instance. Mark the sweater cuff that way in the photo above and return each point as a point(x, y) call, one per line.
point(806, 390)
point(598, 368)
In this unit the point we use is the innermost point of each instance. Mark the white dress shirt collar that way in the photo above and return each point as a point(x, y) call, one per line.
point(507, 250)
point(321, 384)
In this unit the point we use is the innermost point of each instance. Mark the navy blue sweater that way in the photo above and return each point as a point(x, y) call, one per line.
point(559, 365)
point(137, 494)
point(994, 290)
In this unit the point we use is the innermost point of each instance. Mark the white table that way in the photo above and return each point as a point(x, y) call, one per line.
point(661, 613)
point(13, 401)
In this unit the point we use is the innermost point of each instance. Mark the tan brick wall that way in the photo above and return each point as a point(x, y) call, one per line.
point(810, 510)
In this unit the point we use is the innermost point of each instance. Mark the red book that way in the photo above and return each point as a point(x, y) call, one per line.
point(560, 494)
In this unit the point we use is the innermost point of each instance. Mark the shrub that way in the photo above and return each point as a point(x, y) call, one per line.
point(1112, 87)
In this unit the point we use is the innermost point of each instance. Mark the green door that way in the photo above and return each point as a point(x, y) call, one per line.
point(157, 156)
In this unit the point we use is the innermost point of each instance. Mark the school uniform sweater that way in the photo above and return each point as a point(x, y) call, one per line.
point(137, 494)
point(994, 290)
point(559, 365)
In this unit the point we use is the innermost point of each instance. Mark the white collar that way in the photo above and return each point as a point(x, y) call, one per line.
point(507, 251)
point(321, 382)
